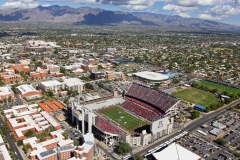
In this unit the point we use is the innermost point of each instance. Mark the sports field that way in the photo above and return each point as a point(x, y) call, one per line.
point(219, 87)
point(196, 96)
point(123, 118)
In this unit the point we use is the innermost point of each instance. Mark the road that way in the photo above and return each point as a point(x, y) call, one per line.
point(11, 142)
point(191, 127)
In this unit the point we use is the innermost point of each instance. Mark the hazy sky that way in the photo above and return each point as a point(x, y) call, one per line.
point(226, 11)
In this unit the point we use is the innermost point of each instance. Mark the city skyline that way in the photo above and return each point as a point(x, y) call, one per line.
point(225, 11)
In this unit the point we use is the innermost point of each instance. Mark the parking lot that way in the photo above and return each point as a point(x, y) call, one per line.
point(202, 143)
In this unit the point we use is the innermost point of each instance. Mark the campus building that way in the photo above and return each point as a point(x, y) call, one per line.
point(22, 118)
point(40, 46)
point(73, 84)
point(97, 75)
point(89, 67)
point(53, 85)
point(59, 148)
point(53, 68)
point(4, 154)
point(25, 62)
point(20, 68)
point(42, 150)
point(6, 93)
point(28, 92)
point(39, 74)
point(111, 75)
point(51, 106)
point(8, 77)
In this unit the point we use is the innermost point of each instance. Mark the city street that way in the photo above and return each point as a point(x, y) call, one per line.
point(11, 142)
point(191, 127)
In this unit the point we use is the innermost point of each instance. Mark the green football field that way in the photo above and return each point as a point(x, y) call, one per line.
point(123, 118)
point(219, 87)
point(196, 96)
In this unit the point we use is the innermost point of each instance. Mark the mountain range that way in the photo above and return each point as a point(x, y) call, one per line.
point(92, 16)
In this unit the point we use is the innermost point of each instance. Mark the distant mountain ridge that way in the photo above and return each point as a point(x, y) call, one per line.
point(92, 16)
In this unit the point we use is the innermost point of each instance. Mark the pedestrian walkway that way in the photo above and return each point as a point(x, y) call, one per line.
point(24, 156)
point(107, 149)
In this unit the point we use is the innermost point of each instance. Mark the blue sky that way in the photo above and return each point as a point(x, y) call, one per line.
point(226, 11)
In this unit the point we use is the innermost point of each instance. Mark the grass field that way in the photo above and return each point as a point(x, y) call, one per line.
point(123, 118)
point(219, 87)
point(196, 96)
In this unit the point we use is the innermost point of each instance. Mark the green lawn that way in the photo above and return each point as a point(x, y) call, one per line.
point(123, 118)
point(219, 87)
point(196, 96)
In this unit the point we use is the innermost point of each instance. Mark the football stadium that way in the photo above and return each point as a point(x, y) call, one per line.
point(143, 117)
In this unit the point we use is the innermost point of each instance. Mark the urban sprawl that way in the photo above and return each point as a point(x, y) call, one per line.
point(75, 92)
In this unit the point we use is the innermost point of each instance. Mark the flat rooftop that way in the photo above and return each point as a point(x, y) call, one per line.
point(218, 125)
point(25, 88)
point(4, 155)
point(73, 82)
point(40, 147)
point(51, 83)
point(5, 91)
point(104, 103)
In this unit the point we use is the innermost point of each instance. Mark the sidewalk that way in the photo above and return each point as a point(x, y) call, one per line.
point(24, 156)
point(107, 149)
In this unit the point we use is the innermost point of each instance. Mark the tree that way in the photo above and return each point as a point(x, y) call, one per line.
point(221, 141)
point(12, 61)
point(100, 67)
point(29, 133)
point(63, 70)
point(84, 78)
point(38, 64)
point(50, 93)
point(190, 109)
point(65, 135)
point(1, 83)
point(20, 142)
point(89, 86)
point(138, 157)
point(25, 148)
point(76, 143)
point(237, 154)
point(14, 88)
point(195, 114)
point(175, 80)
point(124, 148)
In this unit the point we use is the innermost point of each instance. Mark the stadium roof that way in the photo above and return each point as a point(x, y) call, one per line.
point(175, 152)
point(152, 76)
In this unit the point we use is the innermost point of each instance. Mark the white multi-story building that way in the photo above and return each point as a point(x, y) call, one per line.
point(73, 84)
point(51, 85)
